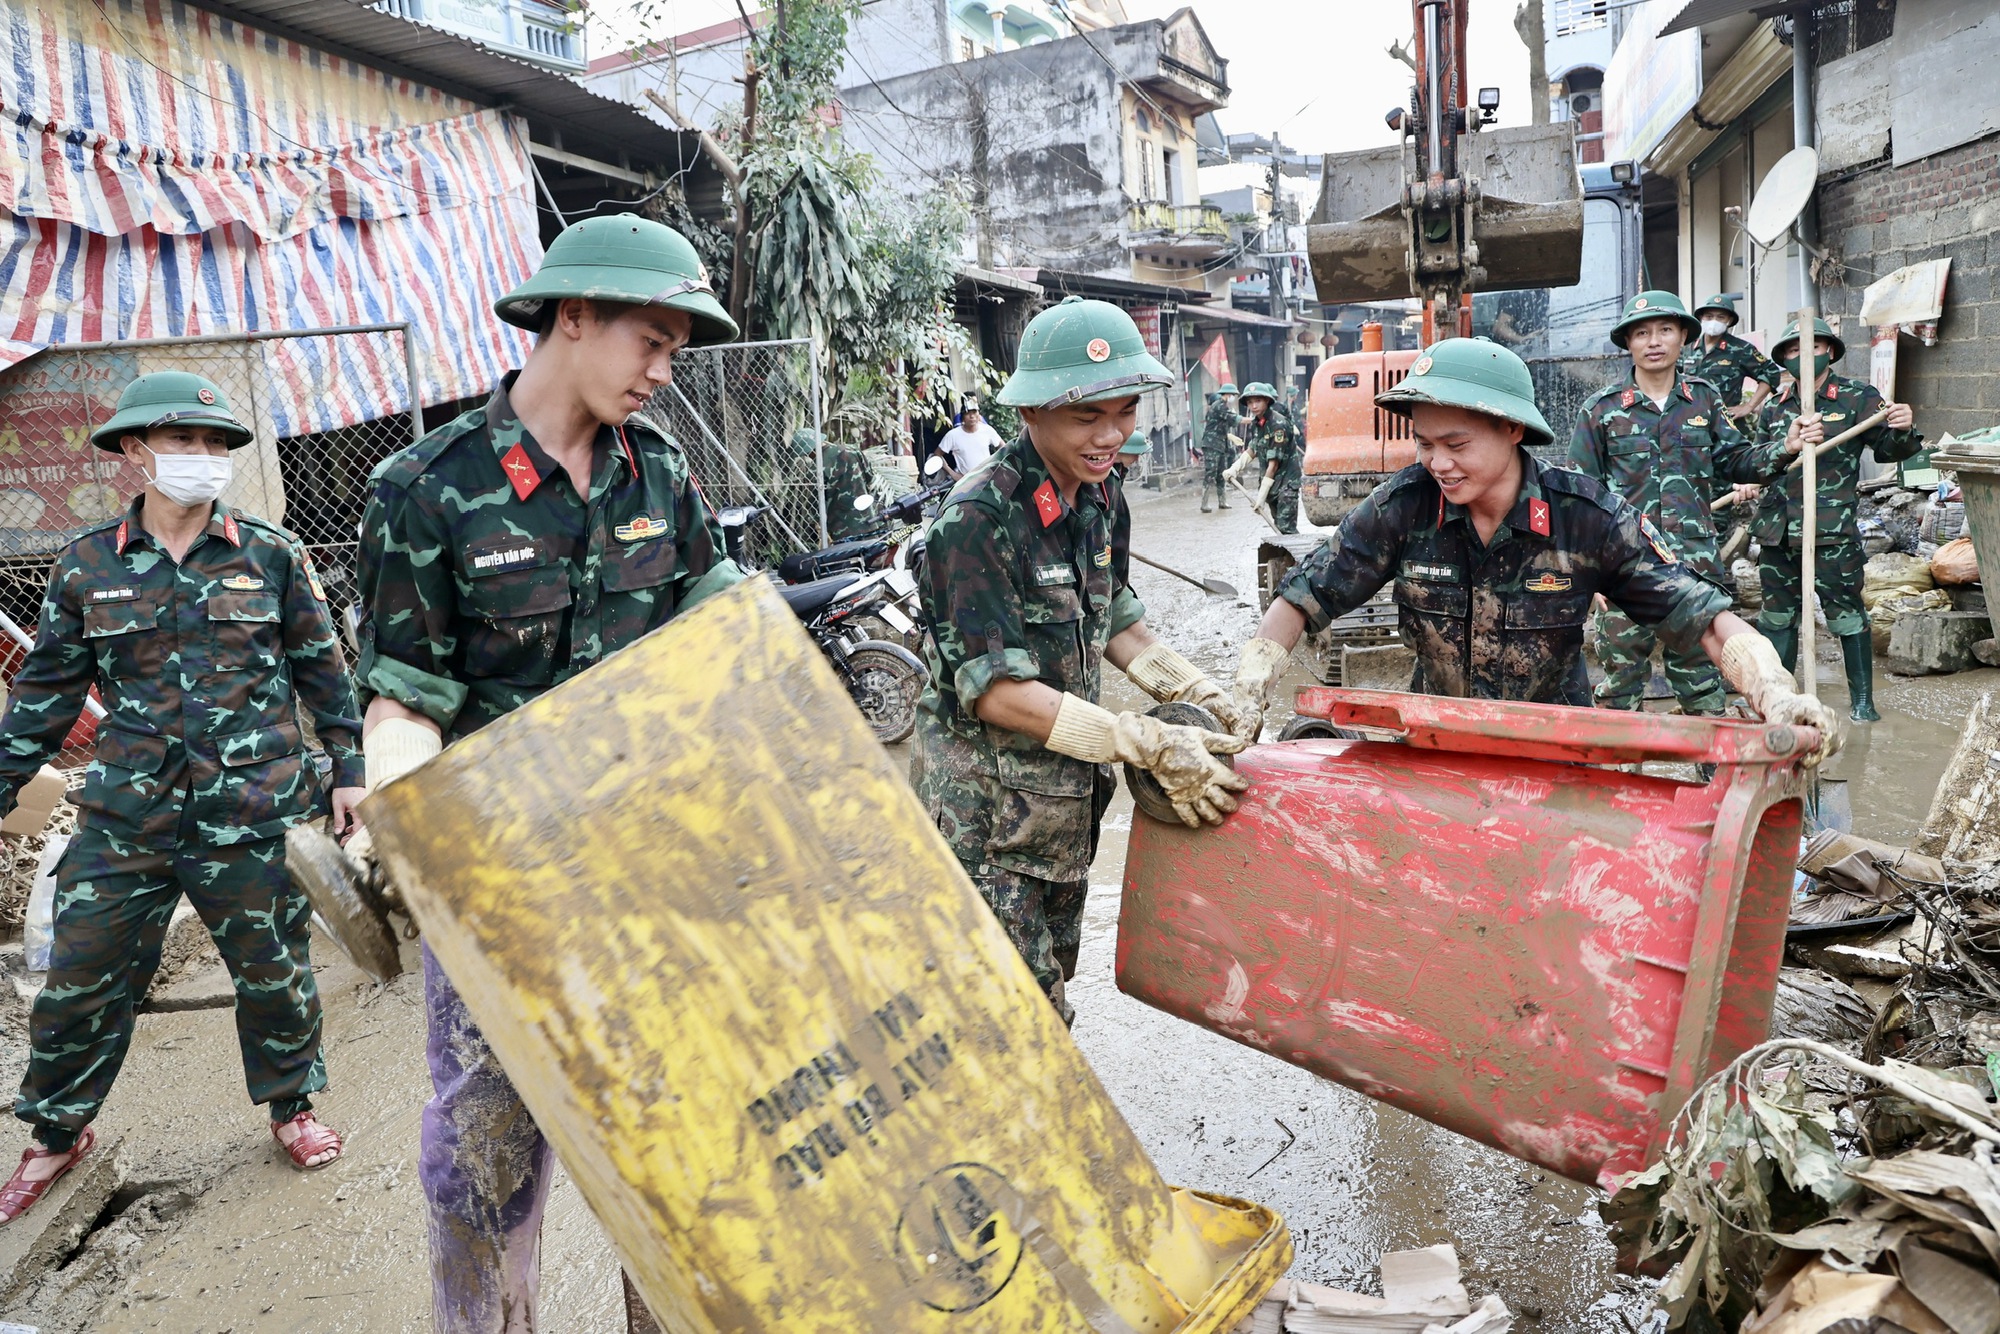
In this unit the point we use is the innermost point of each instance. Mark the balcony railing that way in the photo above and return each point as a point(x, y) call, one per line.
point(1184, 220)
point(543, 31)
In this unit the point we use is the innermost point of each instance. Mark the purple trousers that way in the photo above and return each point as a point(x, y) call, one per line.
point(485, 1170)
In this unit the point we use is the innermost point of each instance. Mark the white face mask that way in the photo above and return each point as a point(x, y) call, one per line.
point(191, 479)
point(1715, 328)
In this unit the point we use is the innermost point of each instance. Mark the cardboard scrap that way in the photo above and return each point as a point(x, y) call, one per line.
point(1418, 1287)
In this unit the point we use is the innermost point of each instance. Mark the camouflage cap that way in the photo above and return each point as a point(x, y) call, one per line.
point(1080, 351)
point(169, 398)
point(1654, 305)
point(1474, 374)
point(1787, 346)
point(622, 257)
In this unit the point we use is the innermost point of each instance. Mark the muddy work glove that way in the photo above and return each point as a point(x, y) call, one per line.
point(392, 748)
point(1257, 672)
point(1166, 675)
point(1200, 786)
point(1235, 470)
point(1751, 666)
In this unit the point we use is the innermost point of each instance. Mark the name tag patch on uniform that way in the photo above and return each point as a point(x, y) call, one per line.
point(113, 594)
point(242, 583)
point(1104, 558)
point(642, 529)
point(506, 558)
point(1548, 583)
point(1049, 576)
point(1418, 569)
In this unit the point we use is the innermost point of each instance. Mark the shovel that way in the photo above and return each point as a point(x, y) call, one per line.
point(1262, 511)
point(1214, 586)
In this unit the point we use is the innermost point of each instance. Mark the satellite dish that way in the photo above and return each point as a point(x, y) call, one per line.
point(1782, 196)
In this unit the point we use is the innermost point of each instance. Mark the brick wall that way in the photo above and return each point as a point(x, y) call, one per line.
point(1884, 217)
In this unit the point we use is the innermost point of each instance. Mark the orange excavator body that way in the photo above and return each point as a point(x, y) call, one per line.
point(1352, 446)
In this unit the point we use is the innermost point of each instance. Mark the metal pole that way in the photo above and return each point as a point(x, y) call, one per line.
point(819, 431)
point(416, 386)
point(1808, 370)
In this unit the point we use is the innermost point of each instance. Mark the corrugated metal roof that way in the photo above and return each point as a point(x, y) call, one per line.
point(1697, 12)
point(560, 111)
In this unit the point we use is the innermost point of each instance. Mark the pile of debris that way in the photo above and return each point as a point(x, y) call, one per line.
point(1845, 1176)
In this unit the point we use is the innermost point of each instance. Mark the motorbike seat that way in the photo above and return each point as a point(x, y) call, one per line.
point(809, 599)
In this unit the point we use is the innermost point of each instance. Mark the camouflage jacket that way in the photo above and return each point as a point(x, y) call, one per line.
point(200, 667)
point(845, 476)
point(1503, 620)
point(1018, 585)
point(485, 579)
point(1671, 463)
point(1220, 425)
point(1728, 364)
point(1275, 435)
point(1843, 403)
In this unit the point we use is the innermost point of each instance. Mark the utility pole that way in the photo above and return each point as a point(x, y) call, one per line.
point(1528, 23)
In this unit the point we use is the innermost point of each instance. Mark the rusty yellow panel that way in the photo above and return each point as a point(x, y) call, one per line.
point(788, 1056)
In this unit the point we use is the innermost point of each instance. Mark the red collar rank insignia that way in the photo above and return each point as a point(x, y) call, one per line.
point(520, 470)
point(1628, 398)
point(1538, 516)
point(243, 583)
point(1047, 503)
point(642, 529)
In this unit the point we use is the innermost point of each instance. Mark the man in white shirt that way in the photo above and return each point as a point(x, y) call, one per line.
point(971, 442)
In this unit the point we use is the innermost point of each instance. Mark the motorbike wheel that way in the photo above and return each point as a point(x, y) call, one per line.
point(886, 688)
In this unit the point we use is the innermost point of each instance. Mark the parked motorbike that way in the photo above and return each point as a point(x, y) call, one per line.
point(841, 612)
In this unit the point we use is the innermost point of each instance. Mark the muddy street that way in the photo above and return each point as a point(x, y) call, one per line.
point(214, 1232)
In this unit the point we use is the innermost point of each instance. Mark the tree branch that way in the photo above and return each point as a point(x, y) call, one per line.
point(712, 147)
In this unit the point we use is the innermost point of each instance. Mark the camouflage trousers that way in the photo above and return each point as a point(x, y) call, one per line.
point(1626, 650)
point(1044, 919)
point(1215, 462)
point(1284, 502)
point(113, 902)
point(1840, 565)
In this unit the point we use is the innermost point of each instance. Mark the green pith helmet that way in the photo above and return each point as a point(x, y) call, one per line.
point(1226, 390)
point(1081, 351)
point(1720, 303)
point(804, 441)
point(169, 398)
point(1786, 348)
point(622, 257)
point(1476, 374)
point(1653, 306)
point(1136, 444)
point(1258, 389)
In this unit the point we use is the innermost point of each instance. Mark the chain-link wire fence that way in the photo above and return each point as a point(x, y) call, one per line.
point(738, 411)
point(325, 405)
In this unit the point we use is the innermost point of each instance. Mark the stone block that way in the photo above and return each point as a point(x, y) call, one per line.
point(1924, 642)
point(48, 1234)
point(1987, 651)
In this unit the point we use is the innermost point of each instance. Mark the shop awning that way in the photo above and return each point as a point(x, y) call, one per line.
point(173, 173)
point(1697, 12)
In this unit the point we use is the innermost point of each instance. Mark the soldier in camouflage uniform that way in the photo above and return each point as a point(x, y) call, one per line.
point(1279, 450)
point(203, 628)
point(1726, 361)
point(1496, 557)
point(1219, 446)
point(844, 476)
point(1026, 589)
point(1663, 442)
point(501, 555)
point(1839, 403)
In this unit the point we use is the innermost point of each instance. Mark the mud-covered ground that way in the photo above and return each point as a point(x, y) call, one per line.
point(216, 1233)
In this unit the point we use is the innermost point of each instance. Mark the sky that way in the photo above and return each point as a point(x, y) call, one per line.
point(1316, 71)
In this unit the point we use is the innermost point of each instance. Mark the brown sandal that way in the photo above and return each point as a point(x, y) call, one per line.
point(19, 1194)
point(314, 1137)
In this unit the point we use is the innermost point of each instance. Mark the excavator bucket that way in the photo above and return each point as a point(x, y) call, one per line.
point(1527, 221)
point(787, 1054)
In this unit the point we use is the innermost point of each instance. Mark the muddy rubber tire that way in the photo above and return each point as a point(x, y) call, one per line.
point(1302, 728)
point(886, 688)
point(1147, 794)
point(346, 909)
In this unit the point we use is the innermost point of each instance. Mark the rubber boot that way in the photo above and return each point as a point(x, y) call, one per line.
point(1786, 641)
point(1858, 650)
point(1222, 496)
point(1205, 505)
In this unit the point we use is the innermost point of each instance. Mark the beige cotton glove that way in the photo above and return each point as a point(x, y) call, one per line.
point(392, 748)
point(1235, 470)
point(1166, 675)
point(1751, 666)
point(1200, 786)
point(1257, 672)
